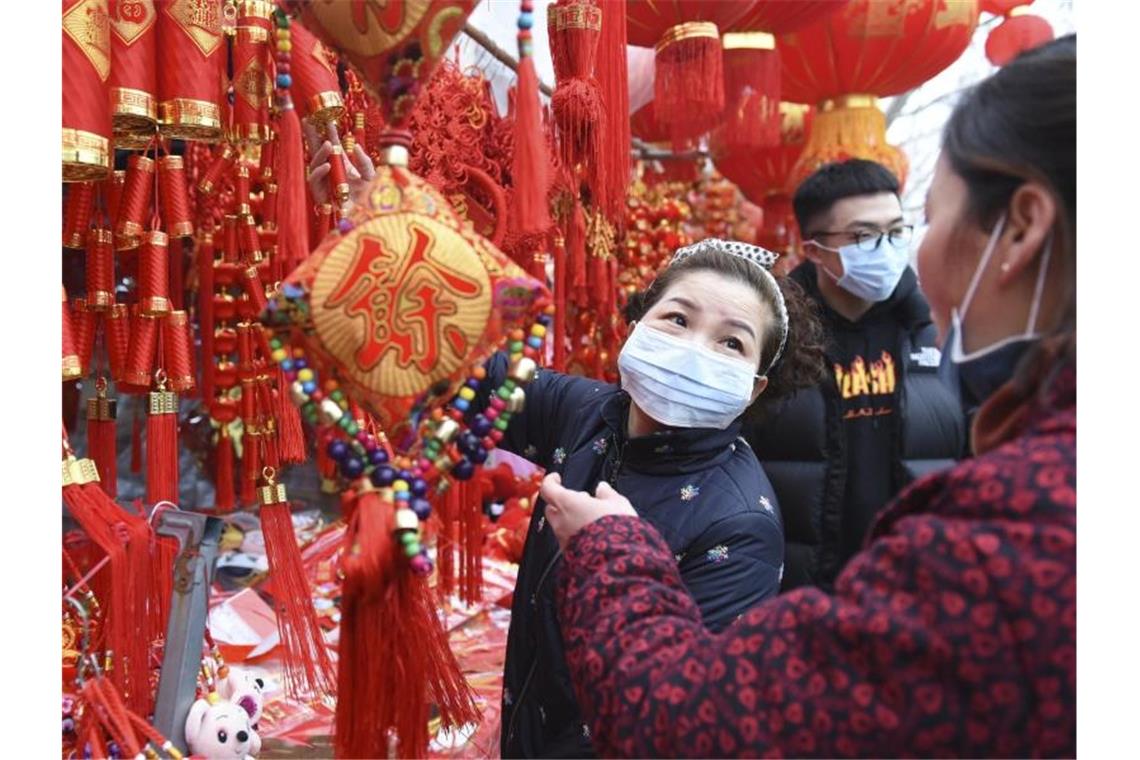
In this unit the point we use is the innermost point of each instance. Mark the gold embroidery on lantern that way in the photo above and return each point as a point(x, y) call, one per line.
point(89, 27)
point(200, 20)
point(131, 18)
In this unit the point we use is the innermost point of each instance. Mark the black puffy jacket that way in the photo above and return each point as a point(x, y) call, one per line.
point(802, 443)
point(703, 490)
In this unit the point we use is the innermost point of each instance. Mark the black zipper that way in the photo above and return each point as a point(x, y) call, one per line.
point(538, 590)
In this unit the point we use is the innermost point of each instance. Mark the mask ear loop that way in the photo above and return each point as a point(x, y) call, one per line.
point(1039, 289)
point(991, 246)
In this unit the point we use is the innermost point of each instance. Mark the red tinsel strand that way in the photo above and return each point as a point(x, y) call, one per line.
point(177, 346)
point(291, 208)
point(445, 542)
point(309, 672)
point(290, 432)
point(612, 72)
point(135, 201)
point(77, 213)
point(154, 274)
point(224, 498)
point(576, 254)
point(141, 356)
point(175, 197)
point(83, 323)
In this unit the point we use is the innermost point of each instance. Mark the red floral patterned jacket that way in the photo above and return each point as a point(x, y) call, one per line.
point(952, 634)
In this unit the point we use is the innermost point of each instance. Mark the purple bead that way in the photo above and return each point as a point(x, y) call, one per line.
point(473, 383)
point(337, 450)
point(300, 363)
point(419, 487)
point(383, 476)
point(378, 456)
point(352, 467)
point(479, 455)
point(421, 565)
point(545, 320)
point(344, 225)
point(464, 470)
point(405, 475)
point(480, 426)
point(422, 508)
point(364, 437)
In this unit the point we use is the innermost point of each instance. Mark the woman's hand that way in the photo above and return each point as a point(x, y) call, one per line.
point(569, 511)
point(358, 166)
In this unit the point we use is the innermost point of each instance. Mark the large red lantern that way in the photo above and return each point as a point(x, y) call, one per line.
point(752, 67)
point(762, 175)
point(1019, 32)
point(688, 85)
point(866, 50)
point(86, 136)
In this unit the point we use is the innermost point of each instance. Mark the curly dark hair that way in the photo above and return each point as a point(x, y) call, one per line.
point(802, 365)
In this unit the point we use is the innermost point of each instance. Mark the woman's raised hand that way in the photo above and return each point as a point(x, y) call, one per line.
point(569, 511)
point(358, 165)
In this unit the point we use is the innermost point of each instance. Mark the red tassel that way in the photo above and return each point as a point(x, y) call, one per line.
point(162, 446)
point(387, 609)
point(224, 473)
point(576, 250)
point(529, 170)
point(688, 86)
point(205, 264)
point(291, 436)
point(559, 337)
point(445, 542)
point(473, 540)
point(613, 79)
point(101, 413)
point(308, 667)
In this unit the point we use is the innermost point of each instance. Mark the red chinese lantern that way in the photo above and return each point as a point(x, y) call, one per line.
point(1019, 32)
point(752, 67)
point(134, 108)
point(763, 175)
point(315, 86)
point(86, 137)
point(688, 86)
point(866, 50)
point(191, 67)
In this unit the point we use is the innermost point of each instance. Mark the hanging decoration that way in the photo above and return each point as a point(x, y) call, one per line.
point(864, 51)
point(1019, 31)
point(133, 80)
point(87, 130)
point(191, 66)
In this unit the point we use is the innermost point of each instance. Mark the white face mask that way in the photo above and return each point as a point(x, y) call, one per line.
point(871, 275)
point(681, 384)
point(958, 314)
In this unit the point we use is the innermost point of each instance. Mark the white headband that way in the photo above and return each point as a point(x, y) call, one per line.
point(762, 258)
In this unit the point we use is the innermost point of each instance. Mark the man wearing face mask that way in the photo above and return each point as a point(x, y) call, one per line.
point(836, 454)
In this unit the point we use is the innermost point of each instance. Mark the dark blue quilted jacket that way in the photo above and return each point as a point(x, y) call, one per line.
point(703, 490)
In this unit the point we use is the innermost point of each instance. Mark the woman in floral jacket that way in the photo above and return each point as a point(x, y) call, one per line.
point(954, 631)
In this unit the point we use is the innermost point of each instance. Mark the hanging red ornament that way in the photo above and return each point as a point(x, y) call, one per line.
point(251, 83)
point(191, 63)
point(133, 85)
point(86, 136)
point(72, 366)
point(77, 213)
point(101, 433)
point(1019, 32)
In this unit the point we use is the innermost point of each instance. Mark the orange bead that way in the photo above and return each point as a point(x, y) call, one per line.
point(479, 373)
point(518, 335)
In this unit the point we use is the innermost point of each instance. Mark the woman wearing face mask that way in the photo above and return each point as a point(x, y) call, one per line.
point(953, 633)
point(711, 334)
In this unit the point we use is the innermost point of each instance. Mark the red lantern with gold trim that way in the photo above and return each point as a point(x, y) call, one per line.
point(868, 49)
point(688, 86)
point(752, 67)
point(87, 128)
point(763, 175)
point(134, 107)
point(191, 66)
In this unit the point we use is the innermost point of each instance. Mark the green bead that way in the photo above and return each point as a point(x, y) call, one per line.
point(408, 538)
point(501, 424)
point(412, 550)
point(337, 395)
point(274, 343)
point(352, 428)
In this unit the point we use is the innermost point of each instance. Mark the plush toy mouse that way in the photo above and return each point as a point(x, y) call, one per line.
point(217, 729)
point(245, 691)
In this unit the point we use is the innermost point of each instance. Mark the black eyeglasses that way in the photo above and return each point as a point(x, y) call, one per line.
point(867, 241)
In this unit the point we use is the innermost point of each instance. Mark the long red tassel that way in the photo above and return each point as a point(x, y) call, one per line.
point(101, 447)
point(473, 539)
point(559, 337)
point(224, 472)
point(383, 701)
point(576, 251)
point(162, 446)
point(529, 170)
point(613, 79)
point(291, 435)
point(308, 668)
point(445, 543)
point(136, 442)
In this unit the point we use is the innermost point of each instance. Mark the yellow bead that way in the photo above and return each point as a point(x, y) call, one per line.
point(279, 355)
point(284, 46)
point(538, 331)
point(305, 375)
point(401, 485)
point(466, 394)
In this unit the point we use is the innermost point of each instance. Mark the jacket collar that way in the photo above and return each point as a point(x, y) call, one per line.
point(677, 450)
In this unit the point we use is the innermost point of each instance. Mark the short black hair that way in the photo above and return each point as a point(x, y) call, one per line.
point(832, 183)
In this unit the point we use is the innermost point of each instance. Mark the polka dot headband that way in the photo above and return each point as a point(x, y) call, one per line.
point(762, 258)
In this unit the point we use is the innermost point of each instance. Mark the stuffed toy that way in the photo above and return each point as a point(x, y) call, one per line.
point(217, 729)
point(244, 690)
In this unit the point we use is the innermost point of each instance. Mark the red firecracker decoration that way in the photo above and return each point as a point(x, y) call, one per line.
point(315, 89)
point(72, 367)
point(1019, 32)
point(251, 82)
point(864, 51)
point(86, 137)
point(133, 84)
point(77, 214)
point(191, 63)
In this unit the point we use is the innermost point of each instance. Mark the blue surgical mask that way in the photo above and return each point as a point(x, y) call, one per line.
point(871, 275)
point(977, 375)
